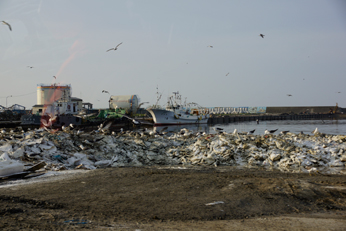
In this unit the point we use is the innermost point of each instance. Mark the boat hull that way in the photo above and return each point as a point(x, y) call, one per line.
point(60, 120)
point(165, 117)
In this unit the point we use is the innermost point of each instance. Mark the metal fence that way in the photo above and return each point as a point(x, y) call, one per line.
point(237, 110)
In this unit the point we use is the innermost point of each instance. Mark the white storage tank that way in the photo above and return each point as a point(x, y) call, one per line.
point(48, 94)
point(129, 102)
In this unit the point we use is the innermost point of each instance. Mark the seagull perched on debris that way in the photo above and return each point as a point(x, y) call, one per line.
point(315, 131)
point(115, 48)
point(235, 132)
point(218, 130)
point(262, 35)
point(80, 131)
point(9, 26)
point(284, 132)
point(251, 132)
point(266, 132)
point(64, 128)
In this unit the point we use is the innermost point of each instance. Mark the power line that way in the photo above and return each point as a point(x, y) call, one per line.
point(19, 95)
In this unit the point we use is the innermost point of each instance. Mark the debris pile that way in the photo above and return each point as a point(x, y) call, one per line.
point(71, 149)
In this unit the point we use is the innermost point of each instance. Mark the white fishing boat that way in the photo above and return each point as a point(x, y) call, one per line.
point(177, 112)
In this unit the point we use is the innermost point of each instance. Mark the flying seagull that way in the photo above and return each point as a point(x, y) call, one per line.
point(227, 74)
point(262, 35)
point(105, 128)
point(135, 122)
point(54, 77)
point(289, 95)
point(9, 26)
point(104, 91)
point(210, 46)
point(30, 67)
point(115, 48)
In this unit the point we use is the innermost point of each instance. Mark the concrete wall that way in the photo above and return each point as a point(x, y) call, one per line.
point(297, 110)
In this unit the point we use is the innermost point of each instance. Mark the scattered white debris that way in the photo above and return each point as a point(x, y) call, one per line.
point(215, 203)
point(64, 150)
point(9, 167)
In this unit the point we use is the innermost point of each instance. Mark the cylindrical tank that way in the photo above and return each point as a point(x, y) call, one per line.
point(47, 94)
point(129, 102)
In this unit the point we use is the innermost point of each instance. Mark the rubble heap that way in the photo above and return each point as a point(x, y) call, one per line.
point(73, 149)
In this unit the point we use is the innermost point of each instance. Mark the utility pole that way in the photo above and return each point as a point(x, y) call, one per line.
point(6, 99)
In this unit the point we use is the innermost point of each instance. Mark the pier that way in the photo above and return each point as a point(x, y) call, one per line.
point(243, 118)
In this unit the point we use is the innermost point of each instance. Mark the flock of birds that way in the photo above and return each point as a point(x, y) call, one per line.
point(114, 48)
point(9, 26)
point(104, 128)
point(266, 132)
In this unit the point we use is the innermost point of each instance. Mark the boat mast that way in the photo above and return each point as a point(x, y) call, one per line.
point(158, 96)
point(177, 100)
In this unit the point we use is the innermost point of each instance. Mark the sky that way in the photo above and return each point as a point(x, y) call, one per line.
point(166, 47)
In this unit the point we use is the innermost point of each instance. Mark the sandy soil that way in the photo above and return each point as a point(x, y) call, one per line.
point(155, 198)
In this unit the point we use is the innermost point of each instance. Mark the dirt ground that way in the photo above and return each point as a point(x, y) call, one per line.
point(155, 198)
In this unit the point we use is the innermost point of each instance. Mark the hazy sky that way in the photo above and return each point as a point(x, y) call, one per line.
point(165, 44)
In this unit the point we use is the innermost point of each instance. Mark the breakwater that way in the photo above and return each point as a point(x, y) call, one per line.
point(242, 118)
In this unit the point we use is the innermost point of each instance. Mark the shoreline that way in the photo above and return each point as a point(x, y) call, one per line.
point(150, 198)
point(214, 119)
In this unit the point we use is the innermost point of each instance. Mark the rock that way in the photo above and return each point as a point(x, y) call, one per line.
point(343, 158)
point(274, 157)
point(9, 167)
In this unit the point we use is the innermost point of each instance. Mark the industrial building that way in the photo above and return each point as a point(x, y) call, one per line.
point(48, 94)
point(128, 102)
point(51, 94)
